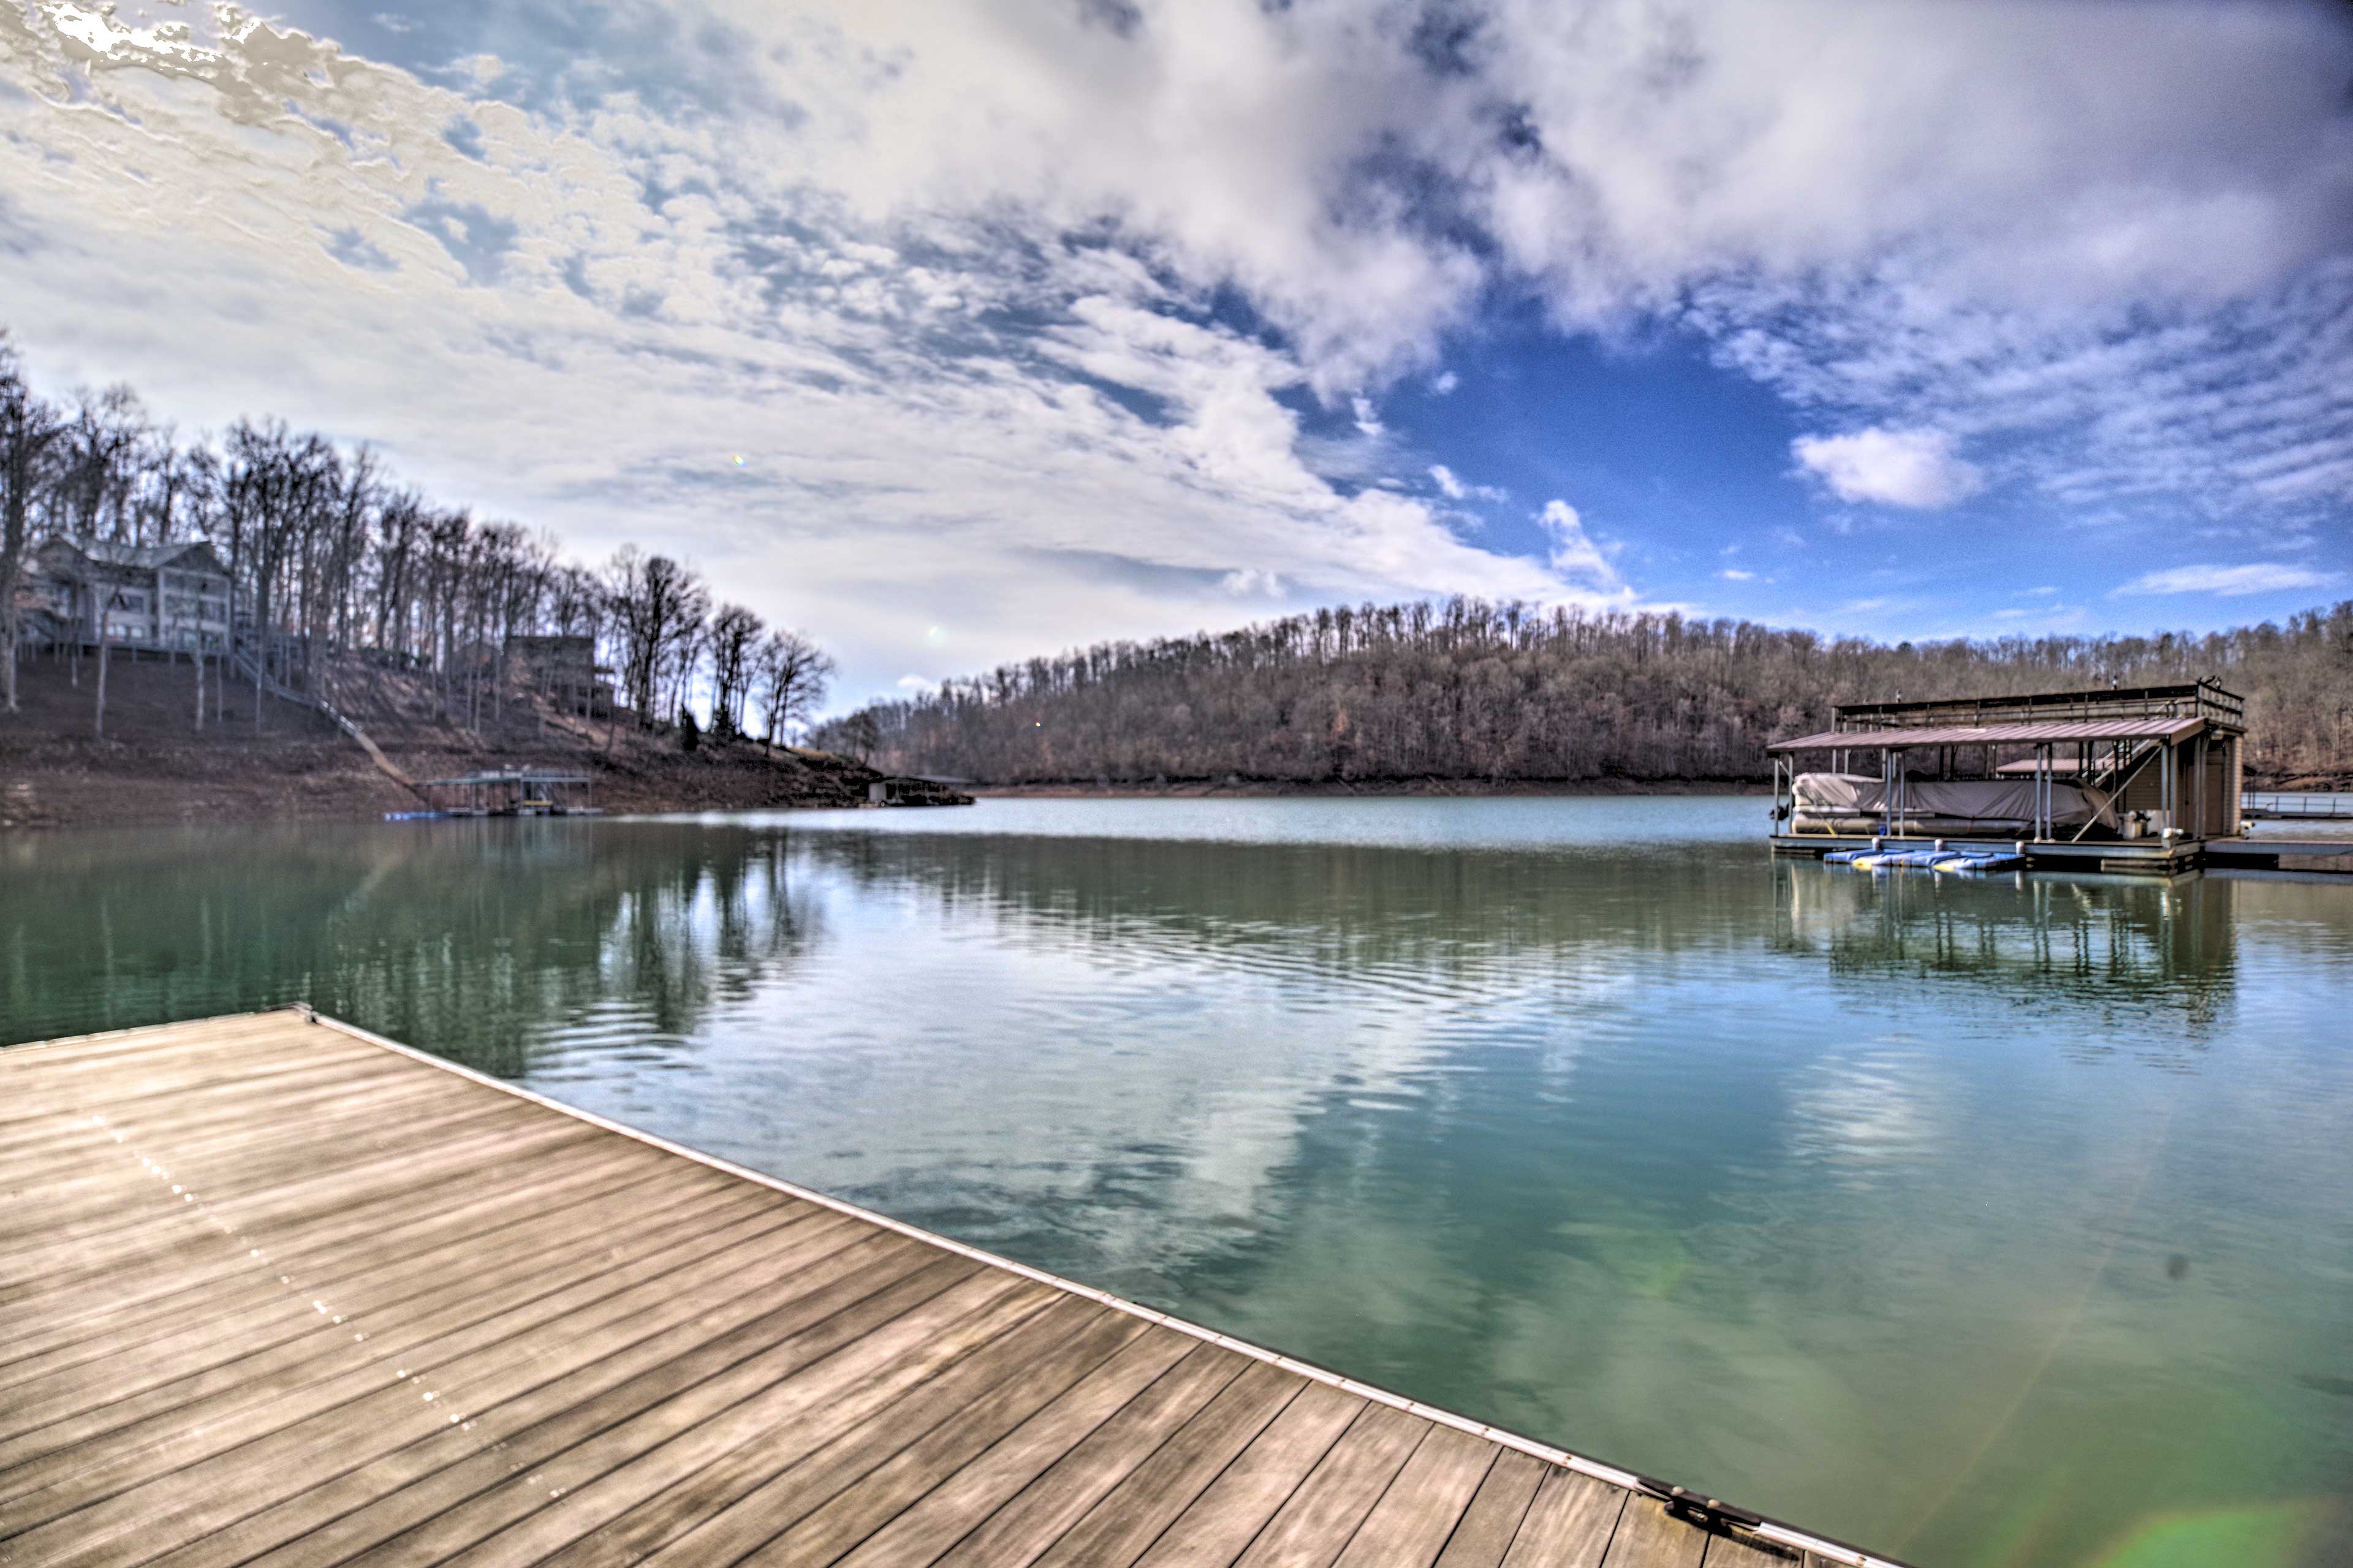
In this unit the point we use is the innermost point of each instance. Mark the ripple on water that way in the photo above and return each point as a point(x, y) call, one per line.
point(1859, 1199)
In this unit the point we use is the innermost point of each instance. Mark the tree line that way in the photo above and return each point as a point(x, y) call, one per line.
point(1466, 690)
point(330, 556)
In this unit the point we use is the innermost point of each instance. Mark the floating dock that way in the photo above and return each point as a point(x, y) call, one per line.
point(2162, 858)
point(273, 1291)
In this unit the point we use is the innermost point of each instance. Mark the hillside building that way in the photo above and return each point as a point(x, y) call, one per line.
point(564, 668)
point(170, 597)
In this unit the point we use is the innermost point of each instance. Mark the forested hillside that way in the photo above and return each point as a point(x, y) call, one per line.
point(1468, 690)
point(334, 559)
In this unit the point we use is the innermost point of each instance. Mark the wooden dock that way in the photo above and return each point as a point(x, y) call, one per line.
point(274, 1291)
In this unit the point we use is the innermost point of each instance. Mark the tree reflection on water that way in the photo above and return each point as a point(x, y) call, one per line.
point(471, 935)
point(2074, 950)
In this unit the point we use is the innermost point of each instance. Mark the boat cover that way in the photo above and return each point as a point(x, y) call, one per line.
point(1853, 803)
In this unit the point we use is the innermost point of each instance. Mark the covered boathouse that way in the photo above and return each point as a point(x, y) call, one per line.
point(513, 791)
point(2141, 779)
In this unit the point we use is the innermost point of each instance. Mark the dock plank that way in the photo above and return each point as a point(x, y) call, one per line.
point(856, 1512)
point(523, 1414)
point(418, 1250)
point(323, 1375)
point(1316, 1522)
point(800, 1377)
point(1133, 1515)
point(1043, 1512)
point(1569, 1524)
point(277, 1295)
point(1414, 1520)
point(360, 1238)
point(1224, 1520)
point(973, 1491)
point(1484, 1533)
point(747, 1498)
point(1648, 1536)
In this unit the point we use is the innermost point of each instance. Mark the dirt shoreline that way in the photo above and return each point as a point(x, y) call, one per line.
point(1342, 789)
point(290, 763)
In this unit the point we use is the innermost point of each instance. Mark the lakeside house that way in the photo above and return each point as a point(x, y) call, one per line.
point(172, 597)
point(562, 667)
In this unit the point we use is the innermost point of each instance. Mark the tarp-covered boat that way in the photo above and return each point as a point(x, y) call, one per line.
point(2003, 807)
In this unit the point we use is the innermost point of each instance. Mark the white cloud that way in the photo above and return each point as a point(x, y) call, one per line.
point(1453, 488)
point(1368, 421)
point(1735, 574)
point(2231, 582)
point(1895, 467)
point(1575, 555)
point(1247, 582)
point(1444, 382)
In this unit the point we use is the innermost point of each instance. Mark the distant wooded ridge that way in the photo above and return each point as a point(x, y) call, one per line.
point(1500, 692)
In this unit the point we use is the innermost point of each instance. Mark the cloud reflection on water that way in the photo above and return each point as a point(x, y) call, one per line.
point(1765, 1176)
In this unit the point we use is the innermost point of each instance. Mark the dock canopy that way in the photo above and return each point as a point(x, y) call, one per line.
point(517, 775)
point(2048, 734)
point(511, 792)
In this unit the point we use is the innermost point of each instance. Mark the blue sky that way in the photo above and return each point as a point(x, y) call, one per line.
point(1037, 323)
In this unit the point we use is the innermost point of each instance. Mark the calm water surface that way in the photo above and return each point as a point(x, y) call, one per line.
point(2000, 1221)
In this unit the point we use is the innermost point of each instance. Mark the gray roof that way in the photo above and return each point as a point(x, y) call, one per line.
point(146, 557)
point(2054, 732)
point(517, 776)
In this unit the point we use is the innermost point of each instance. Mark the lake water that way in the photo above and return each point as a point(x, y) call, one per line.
point(1986, 1222)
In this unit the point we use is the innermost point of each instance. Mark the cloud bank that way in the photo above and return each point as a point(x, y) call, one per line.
point(2231, 582)
point(1040, 323)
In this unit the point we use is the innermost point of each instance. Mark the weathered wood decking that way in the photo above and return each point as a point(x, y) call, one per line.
point(273, 1292)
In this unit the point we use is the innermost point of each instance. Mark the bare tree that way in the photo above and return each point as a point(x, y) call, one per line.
point(28, 428)
point(658, 607)
point(860, 734)
point(99, 460)
point(792, 672)
point(682, 660)
point(735, 645)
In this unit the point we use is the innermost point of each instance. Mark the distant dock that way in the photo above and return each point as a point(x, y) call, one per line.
point(276, 1291)
point(2143, 780)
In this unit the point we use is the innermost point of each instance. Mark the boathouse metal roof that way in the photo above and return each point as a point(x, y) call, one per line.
point(2062, 733)
point(519, 776)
